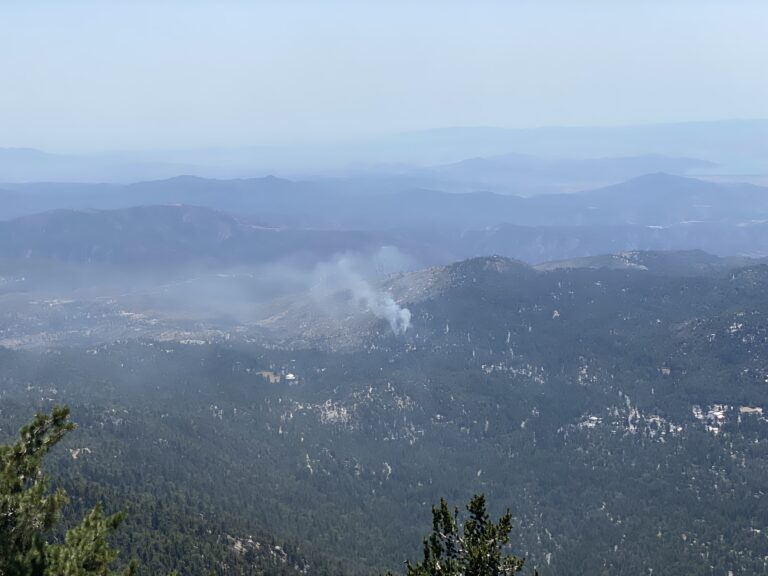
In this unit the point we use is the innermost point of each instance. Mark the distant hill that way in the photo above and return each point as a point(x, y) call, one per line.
point(297, 319)
point(650, 200)
point(152, 236)
point(528, 175)
point(737, 146)
point(179, 235)
point(280, 200)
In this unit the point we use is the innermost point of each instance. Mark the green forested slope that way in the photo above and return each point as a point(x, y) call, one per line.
point(617, 413)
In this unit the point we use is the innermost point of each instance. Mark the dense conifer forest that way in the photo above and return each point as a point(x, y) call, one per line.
point(618, 415)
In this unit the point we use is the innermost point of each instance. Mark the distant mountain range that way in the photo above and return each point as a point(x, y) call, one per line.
point(149, 236)
point(541, 159)
point(655, 200)
point(507, 174)
point(738, 146)
point(178, 237)
point(529, 175)
point(189, 219)
point(652, 200)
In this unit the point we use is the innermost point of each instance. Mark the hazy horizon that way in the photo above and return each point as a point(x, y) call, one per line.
point(379, 136)
point(91, 77)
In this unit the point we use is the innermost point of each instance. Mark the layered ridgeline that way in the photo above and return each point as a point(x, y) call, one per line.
point(657, 199)
point(500, 171)
point(614, 404)
point(246, 222)
point(548, 158)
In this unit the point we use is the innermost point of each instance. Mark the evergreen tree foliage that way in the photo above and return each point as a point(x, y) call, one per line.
point(474, 547)
point(29, 511)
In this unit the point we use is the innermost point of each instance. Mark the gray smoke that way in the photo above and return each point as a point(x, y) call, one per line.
point(342, 275)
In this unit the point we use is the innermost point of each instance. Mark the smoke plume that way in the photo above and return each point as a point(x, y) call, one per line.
point(342, 275)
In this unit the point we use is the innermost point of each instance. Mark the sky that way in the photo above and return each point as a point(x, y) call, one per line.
point(84, 76)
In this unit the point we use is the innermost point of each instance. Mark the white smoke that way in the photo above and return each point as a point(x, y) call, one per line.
point(380, 304)
point(339, 288)
point(342, 274)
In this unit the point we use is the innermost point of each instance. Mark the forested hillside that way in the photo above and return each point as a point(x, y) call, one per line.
point(618, 413)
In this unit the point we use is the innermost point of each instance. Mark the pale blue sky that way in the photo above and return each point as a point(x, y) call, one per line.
point(86, 76)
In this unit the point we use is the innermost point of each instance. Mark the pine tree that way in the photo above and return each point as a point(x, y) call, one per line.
point(472, 548)
point(29, 511)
